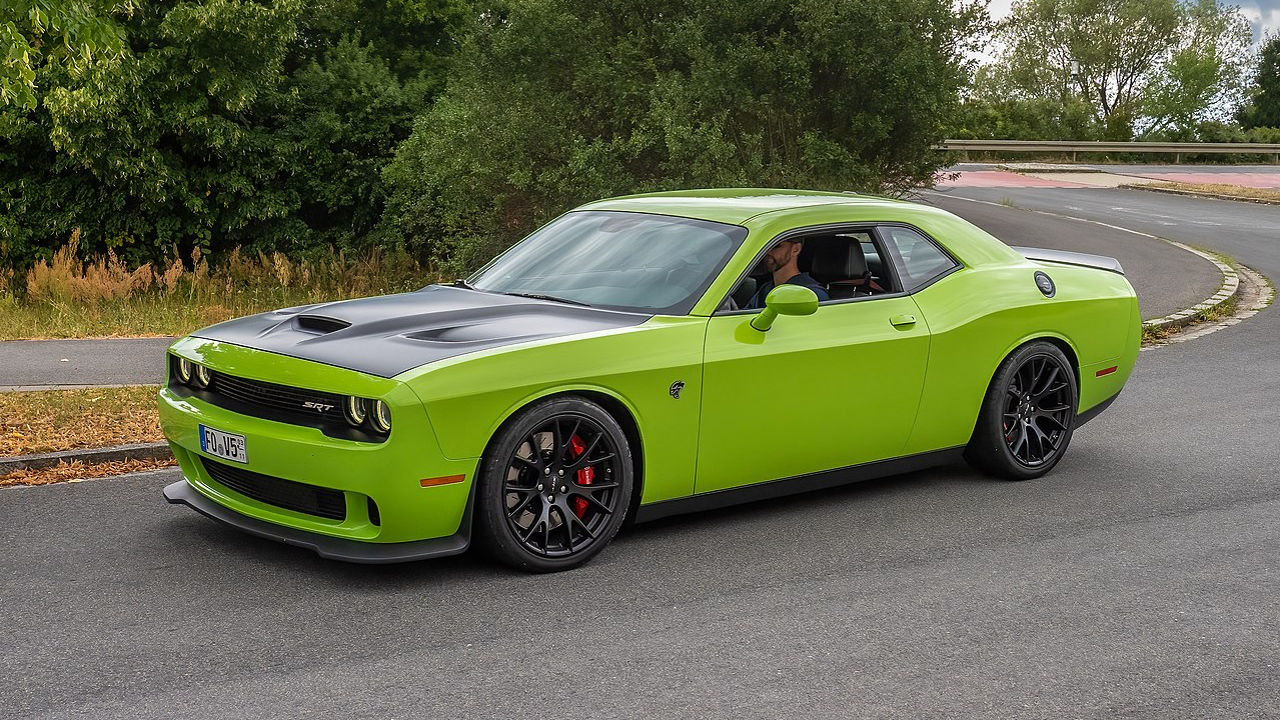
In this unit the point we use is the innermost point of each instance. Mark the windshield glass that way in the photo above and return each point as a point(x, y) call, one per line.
point(616, 260)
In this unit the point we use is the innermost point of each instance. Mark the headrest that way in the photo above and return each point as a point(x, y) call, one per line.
point(837, 258)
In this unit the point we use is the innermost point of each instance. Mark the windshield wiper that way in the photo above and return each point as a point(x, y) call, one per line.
point(462, 284)
point(552, 298)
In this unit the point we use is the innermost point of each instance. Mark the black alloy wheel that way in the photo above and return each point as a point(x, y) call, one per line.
point(1028, 414)
point(556, 485)
point(1037, 411)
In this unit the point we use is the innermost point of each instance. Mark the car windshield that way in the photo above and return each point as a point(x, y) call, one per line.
point(616, 260)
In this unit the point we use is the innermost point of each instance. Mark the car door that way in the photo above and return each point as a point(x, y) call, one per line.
point(819, 392)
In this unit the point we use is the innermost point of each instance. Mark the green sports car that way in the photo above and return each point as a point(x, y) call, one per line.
point(644, 356)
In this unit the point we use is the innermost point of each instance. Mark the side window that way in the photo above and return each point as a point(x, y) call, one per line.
point(917, 259)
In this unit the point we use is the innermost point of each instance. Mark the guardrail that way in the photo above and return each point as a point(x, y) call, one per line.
point(1177, 149)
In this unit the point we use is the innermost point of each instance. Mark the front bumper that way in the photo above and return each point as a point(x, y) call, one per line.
point(389, 514)
point(333, 548)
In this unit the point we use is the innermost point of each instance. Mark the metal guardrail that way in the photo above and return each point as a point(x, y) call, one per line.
point(1178, 149)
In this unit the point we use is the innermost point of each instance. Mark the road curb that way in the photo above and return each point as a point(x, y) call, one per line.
point(140, 451)
point(1227, 291)
point(1196, 193)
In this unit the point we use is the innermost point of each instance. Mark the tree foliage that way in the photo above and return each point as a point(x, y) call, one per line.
point(71, 33)
point(224, 122)
point(555, 102)
point(1141, 66)
point(1263, 106)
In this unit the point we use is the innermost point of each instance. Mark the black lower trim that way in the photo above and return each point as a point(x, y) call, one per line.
point(800, 484)
point(1096, 410)
point(332, 548)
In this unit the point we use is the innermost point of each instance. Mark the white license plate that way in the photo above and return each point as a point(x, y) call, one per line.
point(223, 444)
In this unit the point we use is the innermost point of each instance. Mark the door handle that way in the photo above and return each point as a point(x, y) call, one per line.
point(902, 320)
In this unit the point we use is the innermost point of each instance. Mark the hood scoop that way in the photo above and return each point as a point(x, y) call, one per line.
point(320, 324)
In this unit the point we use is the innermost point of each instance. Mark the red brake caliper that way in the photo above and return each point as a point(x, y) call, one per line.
point(586, 475)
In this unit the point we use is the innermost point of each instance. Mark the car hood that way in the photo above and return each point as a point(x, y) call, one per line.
point(391, 334)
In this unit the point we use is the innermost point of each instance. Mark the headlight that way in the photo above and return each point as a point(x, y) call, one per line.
point(184, 370)
point(381, 416)
point(203, 376)
point(356, 410)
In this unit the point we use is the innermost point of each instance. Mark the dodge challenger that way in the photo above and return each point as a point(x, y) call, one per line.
point(639, 357)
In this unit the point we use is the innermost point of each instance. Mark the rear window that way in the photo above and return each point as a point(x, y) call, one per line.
point(918, 260)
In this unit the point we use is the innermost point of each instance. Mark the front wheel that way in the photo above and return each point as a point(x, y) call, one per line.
point(1027, 416)
point(555, 485)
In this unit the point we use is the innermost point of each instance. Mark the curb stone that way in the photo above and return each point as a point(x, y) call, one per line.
point(140, 451)
point(1227, 291)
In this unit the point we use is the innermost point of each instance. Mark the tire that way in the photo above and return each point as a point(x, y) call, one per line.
point(530, 522)
point(1027, 415)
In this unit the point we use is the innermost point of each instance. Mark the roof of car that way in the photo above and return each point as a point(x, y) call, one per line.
point(730, 205)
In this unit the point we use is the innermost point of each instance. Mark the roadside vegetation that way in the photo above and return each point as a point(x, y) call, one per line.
point(57, 420)
point(67, 297)
point(1235, 192)
point(76, 470)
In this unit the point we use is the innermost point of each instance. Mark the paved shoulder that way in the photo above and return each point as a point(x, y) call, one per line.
point(124, 361)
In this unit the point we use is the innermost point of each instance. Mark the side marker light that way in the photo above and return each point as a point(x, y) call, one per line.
point(447, 480)
point(1106, 371)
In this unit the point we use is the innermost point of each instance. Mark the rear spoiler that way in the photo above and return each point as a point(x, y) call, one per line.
point(1101, 262)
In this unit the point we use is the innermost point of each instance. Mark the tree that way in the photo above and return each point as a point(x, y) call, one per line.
point(1263, 107)
point(72, 33)
point(651, 95)
point(263, 123)
point(1144, 66)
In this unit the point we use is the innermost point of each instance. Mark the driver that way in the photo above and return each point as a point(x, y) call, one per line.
point(781, 261)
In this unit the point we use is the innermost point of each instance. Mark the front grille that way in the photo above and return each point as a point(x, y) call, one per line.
point(287, 494)
point(279, 398)
point(281, 403)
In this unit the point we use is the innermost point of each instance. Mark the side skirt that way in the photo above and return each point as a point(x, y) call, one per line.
point(799, 484)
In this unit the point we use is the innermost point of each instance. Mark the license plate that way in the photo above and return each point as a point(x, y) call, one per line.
point(223, 445)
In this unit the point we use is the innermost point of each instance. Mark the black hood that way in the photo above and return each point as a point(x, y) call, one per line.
point(390, 334)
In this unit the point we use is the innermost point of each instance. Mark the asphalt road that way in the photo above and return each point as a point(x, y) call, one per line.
point(1140, 579)
point(124, 361)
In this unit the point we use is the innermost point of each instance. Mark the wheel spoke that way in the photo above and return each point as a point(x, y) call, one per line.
point(1022, 439)
point(584, 462)
point(533, 527)
point(531, 464)
point(524, 503)
point(592, 500)
point(1054, 420)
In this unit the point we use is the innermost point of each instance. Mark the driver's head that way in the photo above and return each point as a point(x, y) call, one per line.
point(783, 254)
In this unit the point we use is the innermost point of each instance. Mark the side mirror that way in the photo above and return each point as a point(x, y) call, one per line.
point(785, 300)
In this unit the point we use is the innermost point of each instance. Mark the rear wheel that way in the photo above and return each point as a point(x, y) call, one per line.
point(1027, 416)
point(555, 485)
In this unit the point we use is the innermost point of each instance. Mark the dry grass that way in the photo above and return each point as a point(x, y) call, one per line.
point(1218, 189)
point(80, 471)
point(56, 420)
point(102, 297)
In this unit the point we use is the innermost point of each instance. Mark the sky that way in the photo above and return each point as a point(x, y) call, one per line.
point(1263, 15)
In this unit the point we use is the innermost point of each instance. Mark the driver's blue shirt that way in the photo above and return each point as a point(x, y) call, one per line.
point(757, 301)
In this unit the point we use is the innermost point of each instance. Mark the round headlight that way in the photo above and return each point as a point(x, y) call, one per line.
point(381, 416)
point(184, 370)
point(203, 376)
point(356, 410)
